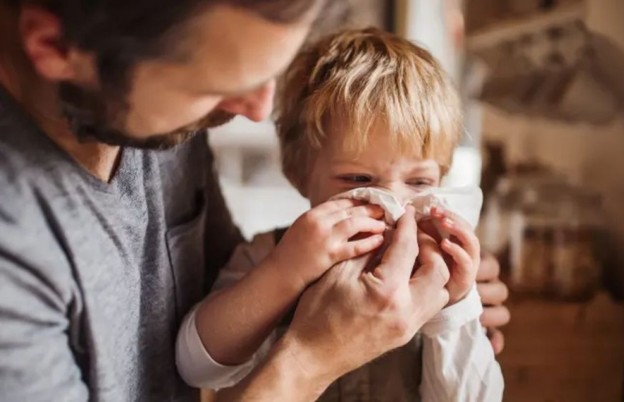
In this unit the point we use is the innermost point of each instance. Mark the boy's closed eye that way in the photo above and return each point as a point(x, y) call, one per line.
point(361, 179)
point(421, 182)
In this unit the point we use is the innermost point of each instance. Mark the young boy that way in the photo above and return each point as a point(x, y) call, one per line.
point(361, 108)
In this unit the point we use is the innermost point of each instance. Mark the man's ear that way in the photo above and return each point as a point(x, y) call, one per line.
point(41, 34)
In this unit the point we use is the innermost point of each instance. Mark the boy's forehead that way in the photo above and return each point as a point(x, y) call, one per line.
point(348, 142)
point(356, 142)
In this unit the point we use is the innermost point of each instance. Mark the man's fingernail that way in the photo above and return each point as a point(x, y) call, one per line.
point(448, 222)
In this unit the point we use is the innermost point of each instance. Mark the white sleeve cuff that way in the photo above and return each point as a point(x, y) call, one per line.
point(454, 317)
point(195, 365)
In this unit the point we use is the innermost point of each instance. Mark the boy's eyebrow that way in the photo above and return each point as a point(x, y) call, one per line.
point(350, 162)
point(424, 169)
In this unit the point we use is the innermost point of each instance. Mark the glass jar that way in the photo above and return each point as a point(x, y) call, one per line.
point(576, 258)
point(531, 240)
point(556, 233)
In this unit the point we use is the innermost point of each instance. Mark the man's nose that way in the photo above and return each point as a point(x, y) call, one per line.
point(256, 105)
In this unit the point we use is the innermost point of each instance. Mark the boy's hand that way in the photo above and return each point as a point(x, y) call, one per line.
point(464, 250)
point(325, 236)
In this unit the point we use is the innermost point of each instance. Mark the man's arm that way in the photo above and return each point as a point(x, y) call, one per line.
point(36, 363)
point(291, 372)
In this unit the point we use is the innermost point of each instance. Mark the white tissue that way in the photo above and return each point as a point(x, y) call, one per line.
point(466, 202)
point(393, 208)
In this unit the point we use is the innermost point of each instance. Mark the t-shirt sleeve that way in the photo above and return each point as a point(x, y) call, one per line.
point(36, 362)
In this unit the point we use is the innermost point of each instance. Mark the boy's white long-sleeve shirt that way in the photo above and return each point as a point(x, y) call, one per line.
point(458, 362)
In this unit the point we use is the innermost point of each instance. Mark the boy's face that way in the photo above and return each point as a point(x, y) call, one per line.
point(380, 165)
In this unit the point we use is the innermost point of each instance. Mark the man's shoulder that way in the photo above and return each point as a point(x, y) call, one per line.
point(27, 157)
point(25, 179)
point(18, 193)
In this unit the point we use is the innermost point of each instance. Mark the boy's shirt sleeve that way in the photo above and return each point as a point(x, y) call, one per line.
point(458, 359)
point(195, 365)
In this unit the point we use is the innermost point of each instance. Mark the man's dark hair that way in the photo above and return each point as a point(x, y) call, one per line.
point(122, 33)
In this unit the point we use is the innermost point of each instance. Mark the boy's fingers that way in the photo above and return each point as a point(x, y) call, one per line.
point(441, 214)
point(348, 228)
point(331, 206)
point(464, 234)
point(370, 210)
point(360, 247)
point(459, 255)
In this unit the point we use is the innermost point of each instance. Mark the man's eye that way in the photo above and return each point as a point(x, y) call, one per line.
point(356, 178)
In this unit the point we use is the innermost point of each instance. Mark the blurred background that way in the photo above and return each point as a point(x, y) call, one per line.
point(543, 95)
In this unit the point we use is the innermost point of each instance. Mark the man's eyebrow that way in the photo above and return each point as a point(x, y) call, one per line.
point(237, 92)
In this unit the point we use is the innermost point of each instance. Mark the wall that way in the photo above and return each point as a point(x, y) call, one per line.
point(592, 156)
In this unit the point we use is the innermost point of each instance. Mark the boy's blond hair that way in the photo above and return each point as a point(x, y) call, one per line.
point(358, 78)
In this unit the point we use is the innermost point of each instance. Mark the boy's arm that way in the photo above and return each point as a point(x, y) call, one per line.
point(233, 322)
point(221, 339)
point(458, 360)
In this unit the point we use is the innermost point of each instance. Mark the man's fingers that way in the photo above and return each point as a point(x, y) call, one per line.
point(497, 339)
point(489, 269)
point(496, 316)
point(431, 264)
point(492, 293)
point(398, 260)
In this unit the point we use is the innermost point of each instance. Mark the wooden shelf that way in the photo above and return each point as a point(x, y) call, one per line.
point(513, 29)
point(570, 352)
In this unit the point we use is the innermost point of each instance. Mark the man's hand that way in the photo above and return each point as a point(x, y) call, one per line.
point(325, 236)
point(352, 316)
point(493, 294)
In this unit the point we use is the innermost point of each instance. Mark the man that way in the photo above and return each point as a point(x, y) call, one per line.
point(108, 232)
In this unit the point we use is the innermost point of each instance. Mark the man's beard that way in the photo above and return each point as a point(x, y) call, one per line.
point(93, 117)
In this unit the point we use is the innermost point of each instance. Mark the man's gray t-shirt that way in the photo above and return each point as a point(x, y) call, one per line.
point(95, 277)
